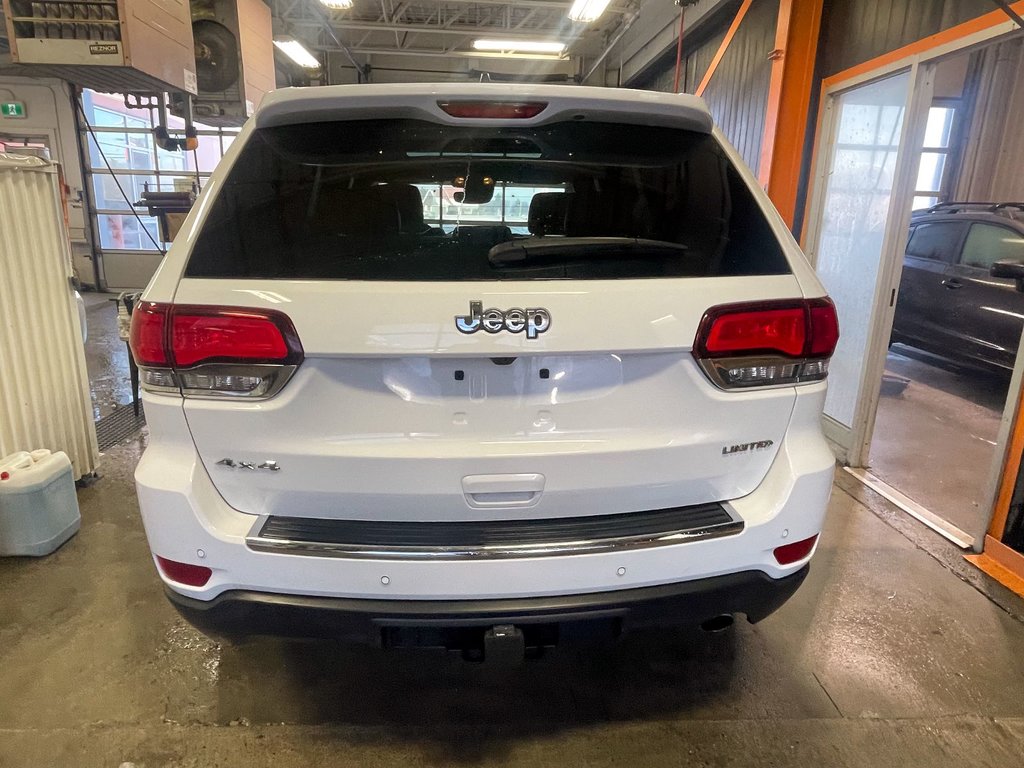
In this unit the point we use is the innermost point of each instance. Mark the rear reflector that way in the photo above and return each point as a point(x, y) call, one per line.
point(798, 550)
point(493, 110)
point(184, 573)
point(767, 343)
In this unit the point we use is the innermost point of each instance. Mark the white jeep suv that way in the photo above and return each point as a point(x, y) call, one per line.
point(451, 362)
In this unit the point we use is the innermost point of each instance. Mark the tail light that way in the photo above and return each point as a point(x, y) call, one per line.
point(767, 344)
point(214, 351)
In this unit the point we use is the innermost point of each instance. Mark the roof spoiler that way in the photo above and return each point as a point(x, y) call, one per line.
point(289, 106)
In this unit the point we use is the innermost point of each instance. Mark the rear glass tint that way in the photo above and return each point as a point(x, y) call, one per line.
point(417, 201)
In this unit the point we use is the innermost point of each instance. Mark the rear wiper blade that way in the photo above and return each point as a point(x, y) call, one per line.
point(554, 248)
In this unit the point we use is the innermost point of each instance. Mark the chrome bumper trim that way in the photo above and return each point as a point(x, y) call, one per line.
point(259, 543)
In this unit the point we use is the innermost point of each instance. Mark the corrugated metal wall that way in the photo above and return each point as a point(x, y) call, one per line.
point(699, 41)
point(653, 35)
point(737, 94)
point(994, 155)
point(695, 64)
point(44, 386)
point(854, 31)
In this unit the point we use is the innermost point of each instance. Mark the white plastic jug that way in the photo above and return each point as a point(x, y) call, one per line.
point(38, 504)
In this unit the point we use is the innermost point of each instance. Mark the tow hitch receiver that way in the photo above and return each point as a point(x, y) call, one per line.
point(504, 645)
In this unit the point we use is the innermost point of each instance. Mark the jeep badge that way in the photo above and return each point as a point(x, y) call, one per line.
point(533, 321)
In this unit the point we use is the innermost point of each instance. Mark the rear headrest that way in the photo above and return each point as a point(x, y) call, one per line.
point(615, 209)
point(409, 202)
point(486, 236)
point(355, 212)
point(549, 212)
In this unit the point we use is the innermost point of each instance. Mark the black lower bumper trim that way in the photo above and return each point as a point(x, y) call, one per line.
point(238, 614)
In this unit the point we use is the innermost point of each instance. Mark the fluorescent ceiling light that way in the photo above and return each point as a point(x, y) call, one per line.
point(297, 52)
point(520, 46)
point(588, 10)
point(337, 5)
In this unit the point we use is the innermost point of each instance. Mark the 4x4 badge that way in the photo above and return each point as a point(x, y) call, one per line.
point(534, 321)
point(270, 464)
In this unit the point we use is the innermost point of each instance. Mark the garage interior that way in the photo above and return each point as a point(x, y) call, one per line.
point(861, 119)
point(928, 402)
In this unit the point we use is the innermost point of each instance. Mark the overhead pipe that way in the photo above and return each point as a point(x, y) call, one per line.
point(683, 5)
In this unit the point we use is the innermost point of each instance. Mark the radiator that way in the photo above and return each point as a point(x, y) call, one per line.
point(44, 384)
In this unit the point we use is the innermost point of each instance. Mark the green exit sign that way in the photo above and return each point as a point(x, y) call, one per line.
point(12, 108)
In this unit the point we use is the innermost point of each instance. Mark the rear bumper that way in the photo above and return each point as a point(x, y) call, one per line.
point(235, 614)
point(186, 520)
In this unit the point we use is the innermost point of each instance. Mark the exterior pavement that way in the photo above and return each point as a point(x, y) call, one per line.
point(891, 654)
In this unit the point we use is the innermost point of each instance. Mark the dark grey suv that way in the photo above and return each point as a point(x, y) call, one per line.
point(962, 292)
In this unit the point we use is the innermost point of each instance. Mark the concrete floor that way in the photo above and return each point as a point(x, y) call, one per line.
point(891, 654)
point(947, 421)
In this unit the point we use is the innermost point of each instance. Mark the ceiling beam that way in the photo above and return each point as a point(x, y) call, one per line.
point(400, 10)
point(431, 29)
point(623, 29)
point(326, 26)
point(452, 19)
point(448, 30)
point(525, 19)
point(561, 7)
point(448, 53)
point(390, 19)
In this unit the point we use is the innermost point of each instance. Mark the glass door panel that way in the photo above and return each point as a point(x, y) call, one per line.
point(854, 210)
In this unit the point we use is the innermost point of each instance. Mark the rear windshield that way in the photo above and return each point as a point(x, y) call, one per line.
point(417, 201)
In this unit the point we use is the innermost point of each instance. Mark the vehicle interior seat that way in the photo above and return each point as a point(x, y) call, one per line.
point(339, 211)
point(549, 213)
point(485, 236)
point(409, 203)
point(609, 208)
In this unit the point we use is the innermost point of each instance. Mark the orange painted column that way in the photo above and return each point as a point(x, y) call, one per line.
point(789, 99)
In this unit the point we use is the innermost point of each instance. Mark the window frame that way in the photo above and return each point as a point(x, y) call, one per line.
point(140, 127)
point(951, 152)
